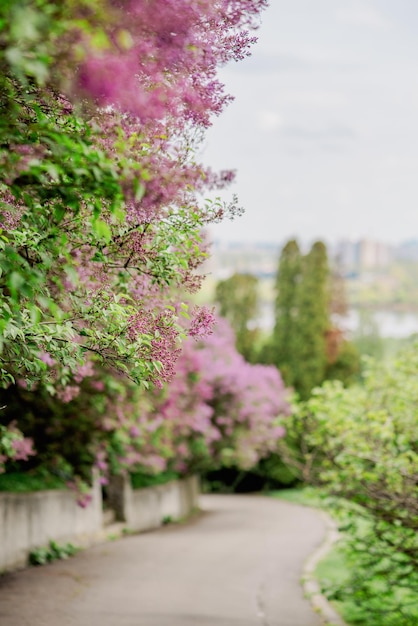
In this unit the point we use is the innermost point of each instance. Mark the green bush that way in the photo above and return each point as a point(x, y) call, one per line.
point(361, 444)
point(140, 480)
point(36, 480)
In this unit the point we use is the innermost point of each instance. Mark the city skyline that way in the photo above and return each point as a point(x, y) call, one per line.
point(353, 257)
point(323, 131)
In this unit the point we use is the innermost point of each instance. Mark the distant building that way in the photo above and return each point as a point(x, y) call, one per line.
point(363, 255)
point(259, 259)
point(407, 250)
point(346, 254)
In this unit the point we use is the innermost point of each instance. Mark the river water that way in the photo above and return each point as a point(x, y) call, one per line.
point(384, 323)
point(387, 323)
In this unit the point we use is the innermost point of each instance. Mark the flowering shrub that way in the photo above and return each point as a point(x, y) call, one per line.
point(217, 410)
point(223, 411)
point(103, 105)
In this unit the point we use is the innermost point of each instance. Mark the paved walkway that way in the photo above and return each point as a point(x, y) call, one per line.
point(239, 564)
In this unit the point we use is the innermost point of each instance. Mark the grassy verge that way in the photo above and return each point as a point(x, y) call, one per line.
point(340, 568)
point(306, 496)
point(334, 568)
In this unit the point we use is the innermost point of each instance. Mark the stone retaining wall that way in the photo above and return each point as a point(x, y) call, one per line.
point(144, 509)
point(32, 520)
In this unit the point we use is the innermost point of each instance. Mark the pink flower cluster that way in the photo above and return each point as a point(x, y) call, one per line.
point(22, 449)
point(223, 402)
point(202, 323)
point(162, 56)
point(162, 345)
point(14, 445)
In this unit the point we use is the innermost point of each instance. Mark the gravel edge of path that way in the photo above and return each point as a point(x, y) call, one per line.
point(310, 584)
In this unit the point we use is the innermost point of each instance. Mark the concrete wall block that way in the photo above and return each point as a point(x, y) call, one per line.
point(32, 520)
point(144, 512)
point(170, 500)
point(14, 530)
point(145, 509)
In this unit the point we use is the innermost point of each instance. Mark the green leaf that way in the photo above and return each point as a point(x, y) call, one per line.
point(15, 282)
point(102, 230)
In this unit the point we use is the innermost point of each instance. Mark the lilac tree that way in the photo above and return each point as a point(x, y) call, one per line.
point(103, 104)
point(99, 209)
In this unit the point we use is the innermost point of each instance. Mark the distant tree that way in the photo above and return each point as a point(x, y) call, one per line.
point(237, 298)
point(307, 344)
point(312, 321)
point(281, 348)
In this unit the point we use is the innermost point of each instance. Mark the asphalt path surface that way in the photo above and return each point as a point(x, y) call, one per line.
point(239, 563)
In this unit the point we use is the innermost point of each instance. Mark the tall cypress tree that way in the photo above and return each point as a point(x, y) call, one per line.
point(284, 340)
point(312, 321)
point(305, 345)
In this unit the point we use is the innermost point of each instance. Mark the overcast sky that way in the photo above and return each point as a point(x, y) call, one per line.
point(324, 128)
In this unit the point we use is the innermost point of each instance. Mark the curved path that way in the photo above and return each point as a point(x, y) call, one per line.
point(239, 564)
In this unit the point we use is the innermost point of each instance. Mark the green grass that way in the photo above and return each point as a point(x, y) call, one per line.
point(23, 482)
point(140, 481)
point(333, 569)
point(306, 496)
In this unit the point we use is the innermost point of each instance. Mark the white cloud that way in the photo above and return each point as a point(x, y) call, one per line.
point(315, 97)
point(359, 15)
point(269, 121)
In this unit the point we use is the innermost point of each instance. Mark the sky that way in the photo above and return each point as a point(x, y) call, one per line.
point(323, 131)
